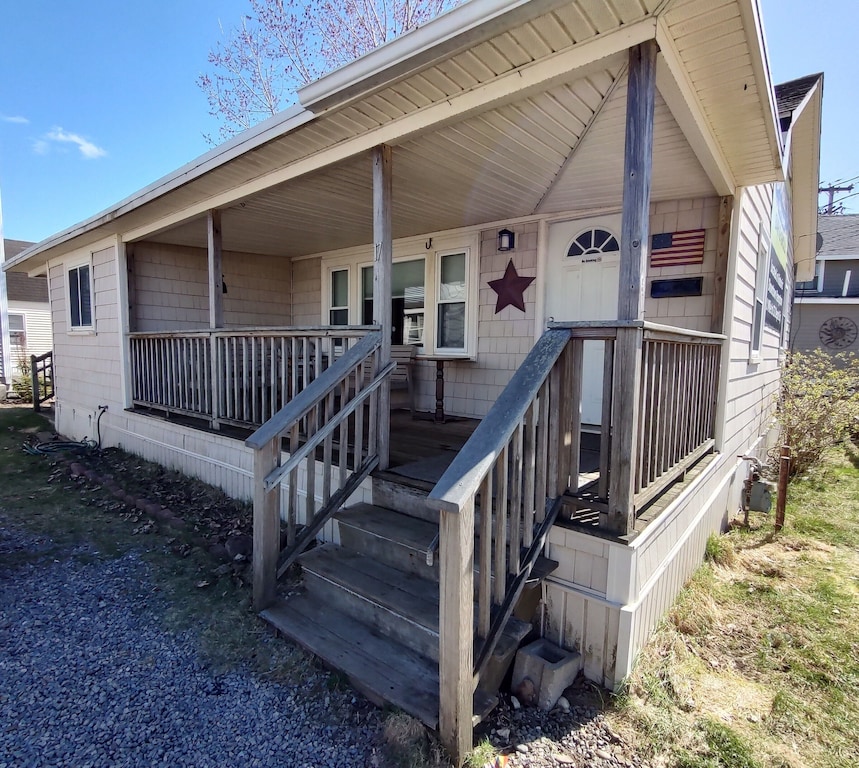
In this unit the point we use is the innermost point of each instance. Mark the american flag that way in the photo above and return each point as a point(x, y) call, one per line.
point(671, 249)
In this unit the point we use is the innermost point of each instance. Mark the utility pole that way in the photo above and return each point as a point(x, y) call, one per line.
point(831, 190)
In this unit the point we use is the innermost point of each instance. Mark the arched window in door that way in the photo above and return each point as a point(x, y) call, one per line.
point(593, 240)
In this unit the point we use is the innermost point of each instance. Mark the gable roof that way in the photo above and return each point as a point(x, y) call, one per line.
point(839, 235)
point(20, 287)
point(790, 95)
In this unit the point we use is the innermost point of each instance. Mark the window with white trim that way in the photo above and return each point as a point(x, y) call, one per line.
point(760, 291)
point(408, 299)
point(17, 331)
point(80, 297)
point(338, 311)
point(452, 295)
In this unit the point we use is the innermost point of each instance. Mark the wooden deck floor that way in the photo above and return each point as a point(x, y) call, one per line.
point(421, 438)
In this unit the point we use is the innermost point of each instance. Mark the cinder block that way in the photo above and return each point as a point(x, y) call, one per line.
point(551, 670)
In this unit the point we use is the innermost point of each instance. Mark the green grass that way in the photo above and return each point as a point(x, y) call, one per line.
point(757, 664)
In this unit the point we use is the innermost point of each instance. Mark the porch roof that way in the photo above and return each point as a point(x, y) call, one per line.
point(497, 109)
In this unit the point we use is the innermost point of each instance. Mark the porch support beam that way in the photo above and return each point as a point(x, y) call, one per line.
point(382, 268)
point(634, 251)
point(216, 270)
point(723, 243)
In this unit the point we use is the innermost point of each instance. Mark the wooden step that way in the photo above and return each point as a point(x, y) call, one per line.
point(402, 605)
point(389, 537)
point(385, 671)
point(403, 494)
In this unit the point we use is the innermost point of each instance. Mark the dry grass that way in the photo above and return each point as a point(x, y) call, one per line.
point(758, 662)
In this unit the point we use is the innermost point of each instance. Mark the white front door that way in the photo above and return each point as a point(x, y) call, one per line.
point(582, 273)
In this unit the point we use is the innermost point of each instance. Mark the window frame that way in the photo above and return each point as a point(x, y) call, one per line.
point(13, 332)
point(75, 266)
point(430, 249)
point(756, 342)
point(438, 302)
point(330, 294)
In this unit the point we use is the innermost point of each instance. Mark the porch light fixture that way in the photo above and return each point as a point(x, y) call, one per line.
point(506, 240)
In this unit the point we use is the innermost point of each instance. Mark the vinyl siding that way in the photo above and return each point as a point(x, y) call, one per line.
point(37, 326)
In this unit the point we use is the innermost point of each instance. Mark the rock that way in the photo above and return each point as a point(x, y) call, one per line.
point(223, 570)
point(76, 469)
point(152, 509)
point(162, 515)
point(118, 493)
point(219, 552)
point(515, 702)
point(602, 754)
point(526, 692)
point(142, 503)
point(563, 759)
point(130, 499)
point(503, 734)
point(563, 703)
point(91, 475)
point(241, 545)
point(176, 523)
point(522, 749)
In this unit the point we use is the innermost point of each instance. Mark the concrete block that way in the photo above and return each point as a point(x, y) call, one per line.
point(549, 668)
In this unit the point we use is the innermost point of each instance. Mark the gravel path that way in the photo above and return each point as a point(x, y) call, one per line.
point(89, 677)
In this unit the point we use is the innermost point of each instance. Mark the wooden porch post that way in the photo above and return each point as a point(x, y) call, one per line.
point(723, 244)
point(634, 251)
point(216, 308)
point(382, 266)
point(216, 271)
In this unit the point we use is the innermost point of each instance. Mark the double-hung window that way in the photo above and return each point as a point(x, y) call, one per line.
point(80, 297)
point(451, 300)
point(17, 331)
point(338, 311)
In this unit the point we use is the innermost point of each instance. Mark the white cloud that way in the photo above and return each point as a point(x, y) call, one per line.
point(19, 119)
point(87, 148)
point(41, 147)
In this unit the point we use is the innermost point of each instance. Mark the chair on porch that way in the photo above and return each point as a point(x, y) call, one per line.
point(402, 379)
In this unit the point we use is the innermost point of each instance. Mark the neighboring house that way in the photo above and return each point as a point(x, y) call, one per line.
point(826, 307)
point(465, 187)
point(27, 326)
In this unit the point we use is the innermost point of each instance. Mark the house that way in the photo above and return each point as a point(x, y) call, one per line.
point(25, 318)
point(826, 306)
point(584, 216)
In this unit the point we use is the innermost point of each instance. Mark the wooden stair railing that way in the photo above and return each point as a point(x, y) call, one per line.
point(42, 378)
point(510, 469)
point(332, 404)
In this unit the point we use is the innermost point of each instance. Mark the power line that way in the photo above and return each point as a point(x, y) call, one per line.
point(829, 209)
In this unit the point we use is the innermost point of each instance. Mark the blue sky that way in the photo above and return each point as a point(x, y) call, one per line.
point(98, 99)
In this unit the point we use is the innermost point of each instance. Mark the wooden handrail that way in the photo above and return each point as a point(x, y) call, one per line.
point(312, 442)
point(287, 331)
point(316, 391)
point(462, 479)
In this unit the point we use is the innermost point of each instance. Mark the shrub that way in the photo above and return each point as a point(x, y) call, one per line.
point(818, 406)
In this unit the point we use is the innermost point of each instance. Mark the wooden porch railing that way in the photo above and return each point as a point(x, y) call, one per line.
point(240, 377)
point(42, 378)
point(523, 460)
point(331, 407)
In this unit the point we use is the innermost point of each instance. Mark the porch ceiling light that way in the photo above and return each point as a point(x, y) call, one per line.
point(506, 240)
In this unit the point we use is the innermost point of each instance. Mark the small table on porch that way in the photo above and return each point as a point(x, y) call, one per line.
point(440, 360)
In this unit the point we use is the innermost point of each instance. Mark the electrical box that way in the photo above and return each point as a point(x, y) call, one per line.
point(760, 496)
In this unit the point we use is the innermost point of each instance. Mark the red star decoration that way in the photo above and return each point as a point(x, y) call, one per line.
point(510, 289)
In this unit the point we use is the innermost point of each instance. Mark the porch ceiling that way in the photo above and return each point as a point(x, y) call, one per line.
point(557, 150)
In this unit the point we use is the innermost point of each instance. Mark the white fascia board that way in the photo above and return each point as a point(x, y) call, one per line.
point(456, 30)
point(845, 257)
point(753, 24)
point(803, 154)
point(248, 140)
point(679, 95)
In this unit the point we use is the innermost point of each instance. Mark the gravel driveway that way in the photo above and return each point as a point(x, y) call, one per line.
point(90, 677)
